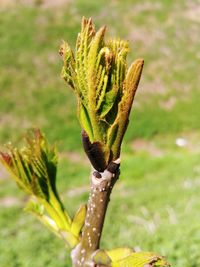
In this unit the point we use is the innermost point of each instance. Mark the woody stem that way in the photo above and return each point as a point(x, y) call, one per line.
point(101, 188)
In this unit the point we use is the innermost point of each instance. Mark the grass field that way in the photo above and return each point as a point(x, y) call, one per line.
point(155, 205)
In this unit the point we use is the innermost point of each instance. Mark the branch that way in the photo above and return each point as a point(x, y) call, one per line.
point(100, 189)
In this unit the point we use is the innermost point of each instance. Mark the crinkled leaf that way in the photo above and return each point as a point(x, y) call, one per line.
point(33, 167)
point(82, 49)
point(68, 71)
point(103, 85)
point(105, 89)
point(129, 90)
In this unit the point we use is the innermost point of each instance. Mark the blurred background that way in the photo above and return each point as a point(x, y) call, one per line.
point(155, 204)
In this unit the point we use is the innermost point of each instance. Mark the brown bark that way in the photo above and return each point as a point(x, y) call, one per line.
point(101, 188)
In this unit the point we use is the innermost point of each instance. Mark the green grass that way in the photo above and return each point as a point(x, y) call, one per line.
point(155, 205)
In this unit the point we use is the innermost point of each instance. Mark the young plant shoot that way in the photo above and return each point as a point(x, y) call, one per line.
point(105, 87)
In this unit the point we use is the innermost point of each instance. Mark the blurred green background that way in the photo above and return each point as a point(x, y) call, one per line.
point(155, 205)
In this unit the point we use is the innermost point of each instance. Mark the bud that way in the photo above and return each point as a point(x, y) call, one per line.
point(105, 88)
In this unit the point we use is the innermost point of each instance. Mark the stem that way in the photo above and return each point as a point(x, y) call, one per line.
point(100, 190)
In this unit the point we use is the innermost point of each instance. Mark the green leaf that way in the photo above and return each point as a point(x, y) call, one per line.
point(85, 121)
point(119, 50)
point(69, 238)
point(119, 253)
point(100, 256)
point(125, 257)
point(78, 220)
point(34, 207)
point(141, 259)
point(129, 89)
point(82, 49)
point(34, 166)
point(68, 70)
point(38, 210)
point(112, 134)
point(132, 80)
point(102, 90)
point(108, 101)
point(34, 169)
point(104, 87)
point(95, 47)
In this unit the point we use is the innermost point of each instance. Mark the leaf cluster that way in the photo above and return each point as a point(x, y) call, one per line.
point(34, 170)
point(104, 85)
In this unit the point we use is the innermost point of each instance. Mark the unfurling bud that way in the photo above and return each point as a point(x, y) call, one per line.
point(105, 88)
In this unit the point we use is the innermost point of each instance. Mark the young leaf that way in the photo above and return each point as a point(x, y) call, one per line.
point(38, 210)
point(119, 253)
point(78, 220)
point(108, 102)
point(69, 238)
point(141, 259)
point(34, 166)
point(130, 86)
point(104, 87)
point(34, 169)
point(101, 257)
point(85, 121)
